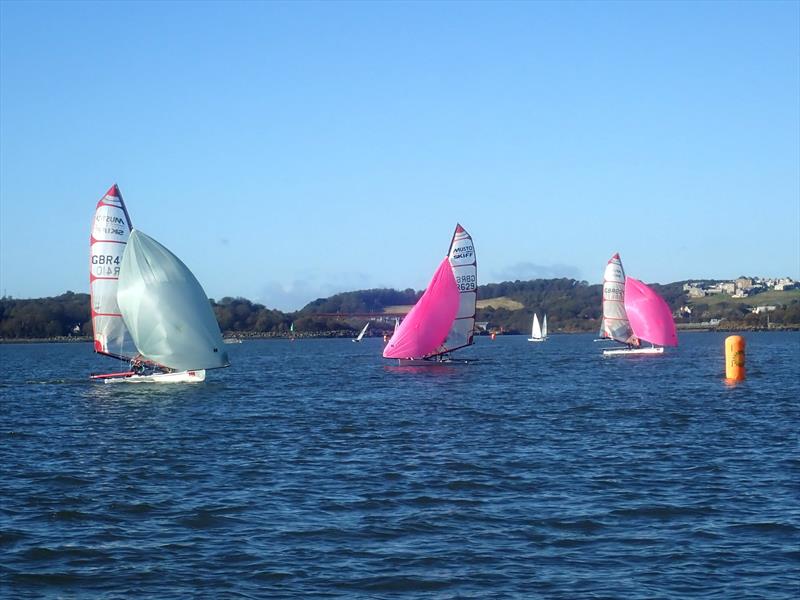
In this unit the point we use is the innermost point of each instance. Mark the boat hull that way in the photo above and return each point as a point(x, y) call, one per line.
point(431, 362)
point(536, 339)
point(179, 377)
point(632, 351)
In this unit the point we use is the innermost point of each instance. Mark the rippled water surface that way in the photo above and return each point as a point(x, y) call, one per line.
point(316, 469)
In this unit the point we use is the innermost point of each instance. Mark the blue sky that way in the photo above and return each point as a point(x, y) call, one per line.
point(287, 151)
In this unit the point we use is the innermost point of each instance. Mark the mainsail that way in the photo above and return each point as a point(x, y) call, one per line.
point(544, 327)
point(166, 310)
point(615, 323)
point(111, 227)
point(363, 331)
point(425, 327)
point(536, 330)
point(465, 270)
point(650, 316)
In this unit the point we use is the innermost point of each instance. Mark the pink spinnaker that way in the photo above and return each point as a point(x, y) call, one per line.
point(650, 317)
point(426, 325)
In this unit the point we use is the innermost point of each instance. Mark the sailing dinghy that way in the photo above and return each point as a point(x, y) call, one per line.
point(148, 308)
point(443, 319)
point(538, 332)
point(632, 313)
point(361, 334)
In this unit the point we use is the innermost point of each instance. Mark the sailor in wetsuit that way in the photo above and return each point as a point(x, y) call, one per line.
point(137, 366)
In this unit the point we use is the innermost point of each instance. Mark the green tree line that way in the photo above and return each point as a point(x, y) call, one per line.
point(570, 305)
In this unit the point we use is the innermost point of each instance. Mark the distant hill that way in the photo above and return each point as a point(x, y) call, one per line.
point(571, 305)
point(363, 301)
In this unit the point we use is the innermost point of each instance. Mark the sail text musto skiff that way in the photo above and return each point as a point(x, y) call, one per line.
point(148, 309)
point(443, 319)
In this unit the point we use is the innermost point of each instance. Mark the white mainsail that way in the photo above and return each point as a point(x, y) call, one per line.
point(465, 269)
point(363, 331)
point(111, 227)
point(536, 330)
point(538, 333)
point(615, 323)
point(166, 310)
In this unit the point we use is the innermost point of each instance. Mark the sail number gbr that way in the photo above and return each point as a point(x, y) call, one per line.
point(105, 265)
point(466, 283)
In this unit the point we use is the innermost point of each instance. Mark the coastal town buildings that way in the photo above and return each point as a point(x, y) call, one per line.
point(739, 288)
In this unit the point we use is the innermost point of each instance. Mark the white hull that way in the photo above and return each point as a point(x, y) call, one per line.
point(625, 351)
point(536, 339)
point(179, 377)
point(431, 362)
point(420, 362)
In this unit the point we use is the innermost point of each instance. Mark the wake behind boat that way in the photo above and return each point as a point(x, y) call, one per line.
point(632, 313)
point(147, 306)
point(443, 319)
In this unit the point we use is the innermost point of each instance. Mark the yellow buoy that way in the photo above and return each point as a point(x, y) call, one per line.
point(734, 357)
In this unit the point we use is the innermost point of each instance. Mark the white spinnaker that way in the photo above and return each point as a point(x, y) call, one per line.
point(536, 330)
point(465, 269)
point(615, 323)
point(111, 227)
point(166, 310)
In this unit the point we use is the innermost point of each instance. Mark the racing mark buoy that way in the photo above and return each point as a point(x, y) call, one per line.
point(494, 335)
point(734, 358)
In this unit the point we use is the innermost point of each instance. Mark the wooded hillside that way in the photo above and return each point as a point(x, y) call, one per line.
point(570, 305)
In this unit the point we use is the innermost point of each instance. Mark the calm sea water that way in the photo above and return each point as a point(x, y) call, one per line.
point(315, 469)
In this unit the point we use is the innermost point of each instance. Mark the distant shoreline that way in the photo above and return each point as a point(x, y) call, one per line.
point(243, 336)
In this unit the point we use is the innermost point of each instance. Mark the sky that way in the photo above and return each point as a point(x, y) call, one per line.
point(289, 151)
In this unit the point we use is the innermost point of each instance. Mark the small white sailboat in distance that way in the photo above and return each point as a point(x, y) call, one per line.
point(538, 333)
point(361, 335)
